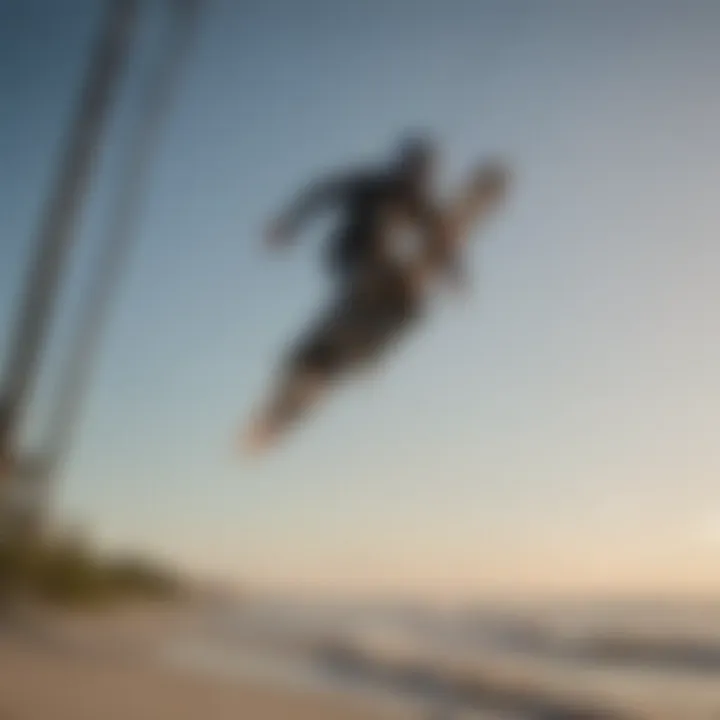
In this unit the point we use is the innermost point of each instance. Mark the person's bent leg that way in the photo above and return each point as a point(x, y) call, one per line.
point(308, 372)
point(299, 391)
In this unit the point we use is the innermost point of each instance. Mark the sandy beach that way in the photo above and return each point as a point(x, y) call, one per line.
point(88, 669)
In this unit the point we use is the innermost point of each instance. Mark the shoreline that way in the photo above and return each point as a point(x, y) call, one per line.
point(111, 667)
point(145, 652)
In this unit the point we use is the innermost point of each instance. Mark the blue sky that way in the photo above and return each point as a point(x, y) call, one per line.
point(556, 429)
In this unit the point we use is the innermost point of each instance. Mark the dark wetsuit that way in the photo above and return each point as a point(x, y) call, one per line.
point(376, 297)
point(377, 300)
point(363, 240)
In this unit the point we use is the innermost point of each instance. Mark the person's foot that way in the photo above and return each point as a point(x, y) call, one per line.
point(258, 437)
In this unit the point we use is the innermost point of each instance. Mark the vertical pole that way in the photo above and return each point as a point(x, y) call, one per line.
point(115, 251)
point(57, 226)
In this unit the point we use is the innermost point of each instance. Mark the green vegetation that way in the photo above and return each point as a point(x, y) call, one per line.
point(68, 571)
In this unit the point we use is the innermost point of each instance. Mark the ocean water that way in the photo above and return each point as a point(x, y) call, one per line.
point(563, 660)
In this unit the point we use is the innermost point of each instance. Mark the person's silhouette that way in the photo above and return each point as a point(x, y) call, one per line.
point(381, 295)
point(373, 203)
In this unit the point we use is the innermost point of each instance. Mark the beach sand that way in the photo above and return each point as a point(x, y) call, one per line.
point(103, 676)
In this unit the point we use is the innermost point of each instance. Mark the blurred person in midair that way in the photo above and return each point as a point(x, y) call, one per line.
point(381, 292)
point(373, 203)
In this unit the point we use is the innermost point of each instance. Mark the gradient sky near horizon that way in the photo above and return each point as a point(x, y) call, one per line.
point(557, 429)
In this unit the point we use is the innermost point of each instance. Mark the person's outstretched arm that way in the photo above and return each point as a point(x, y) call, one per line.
point(486, 190)
point(440, 253)
point(483, 195)
point(317, 197)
